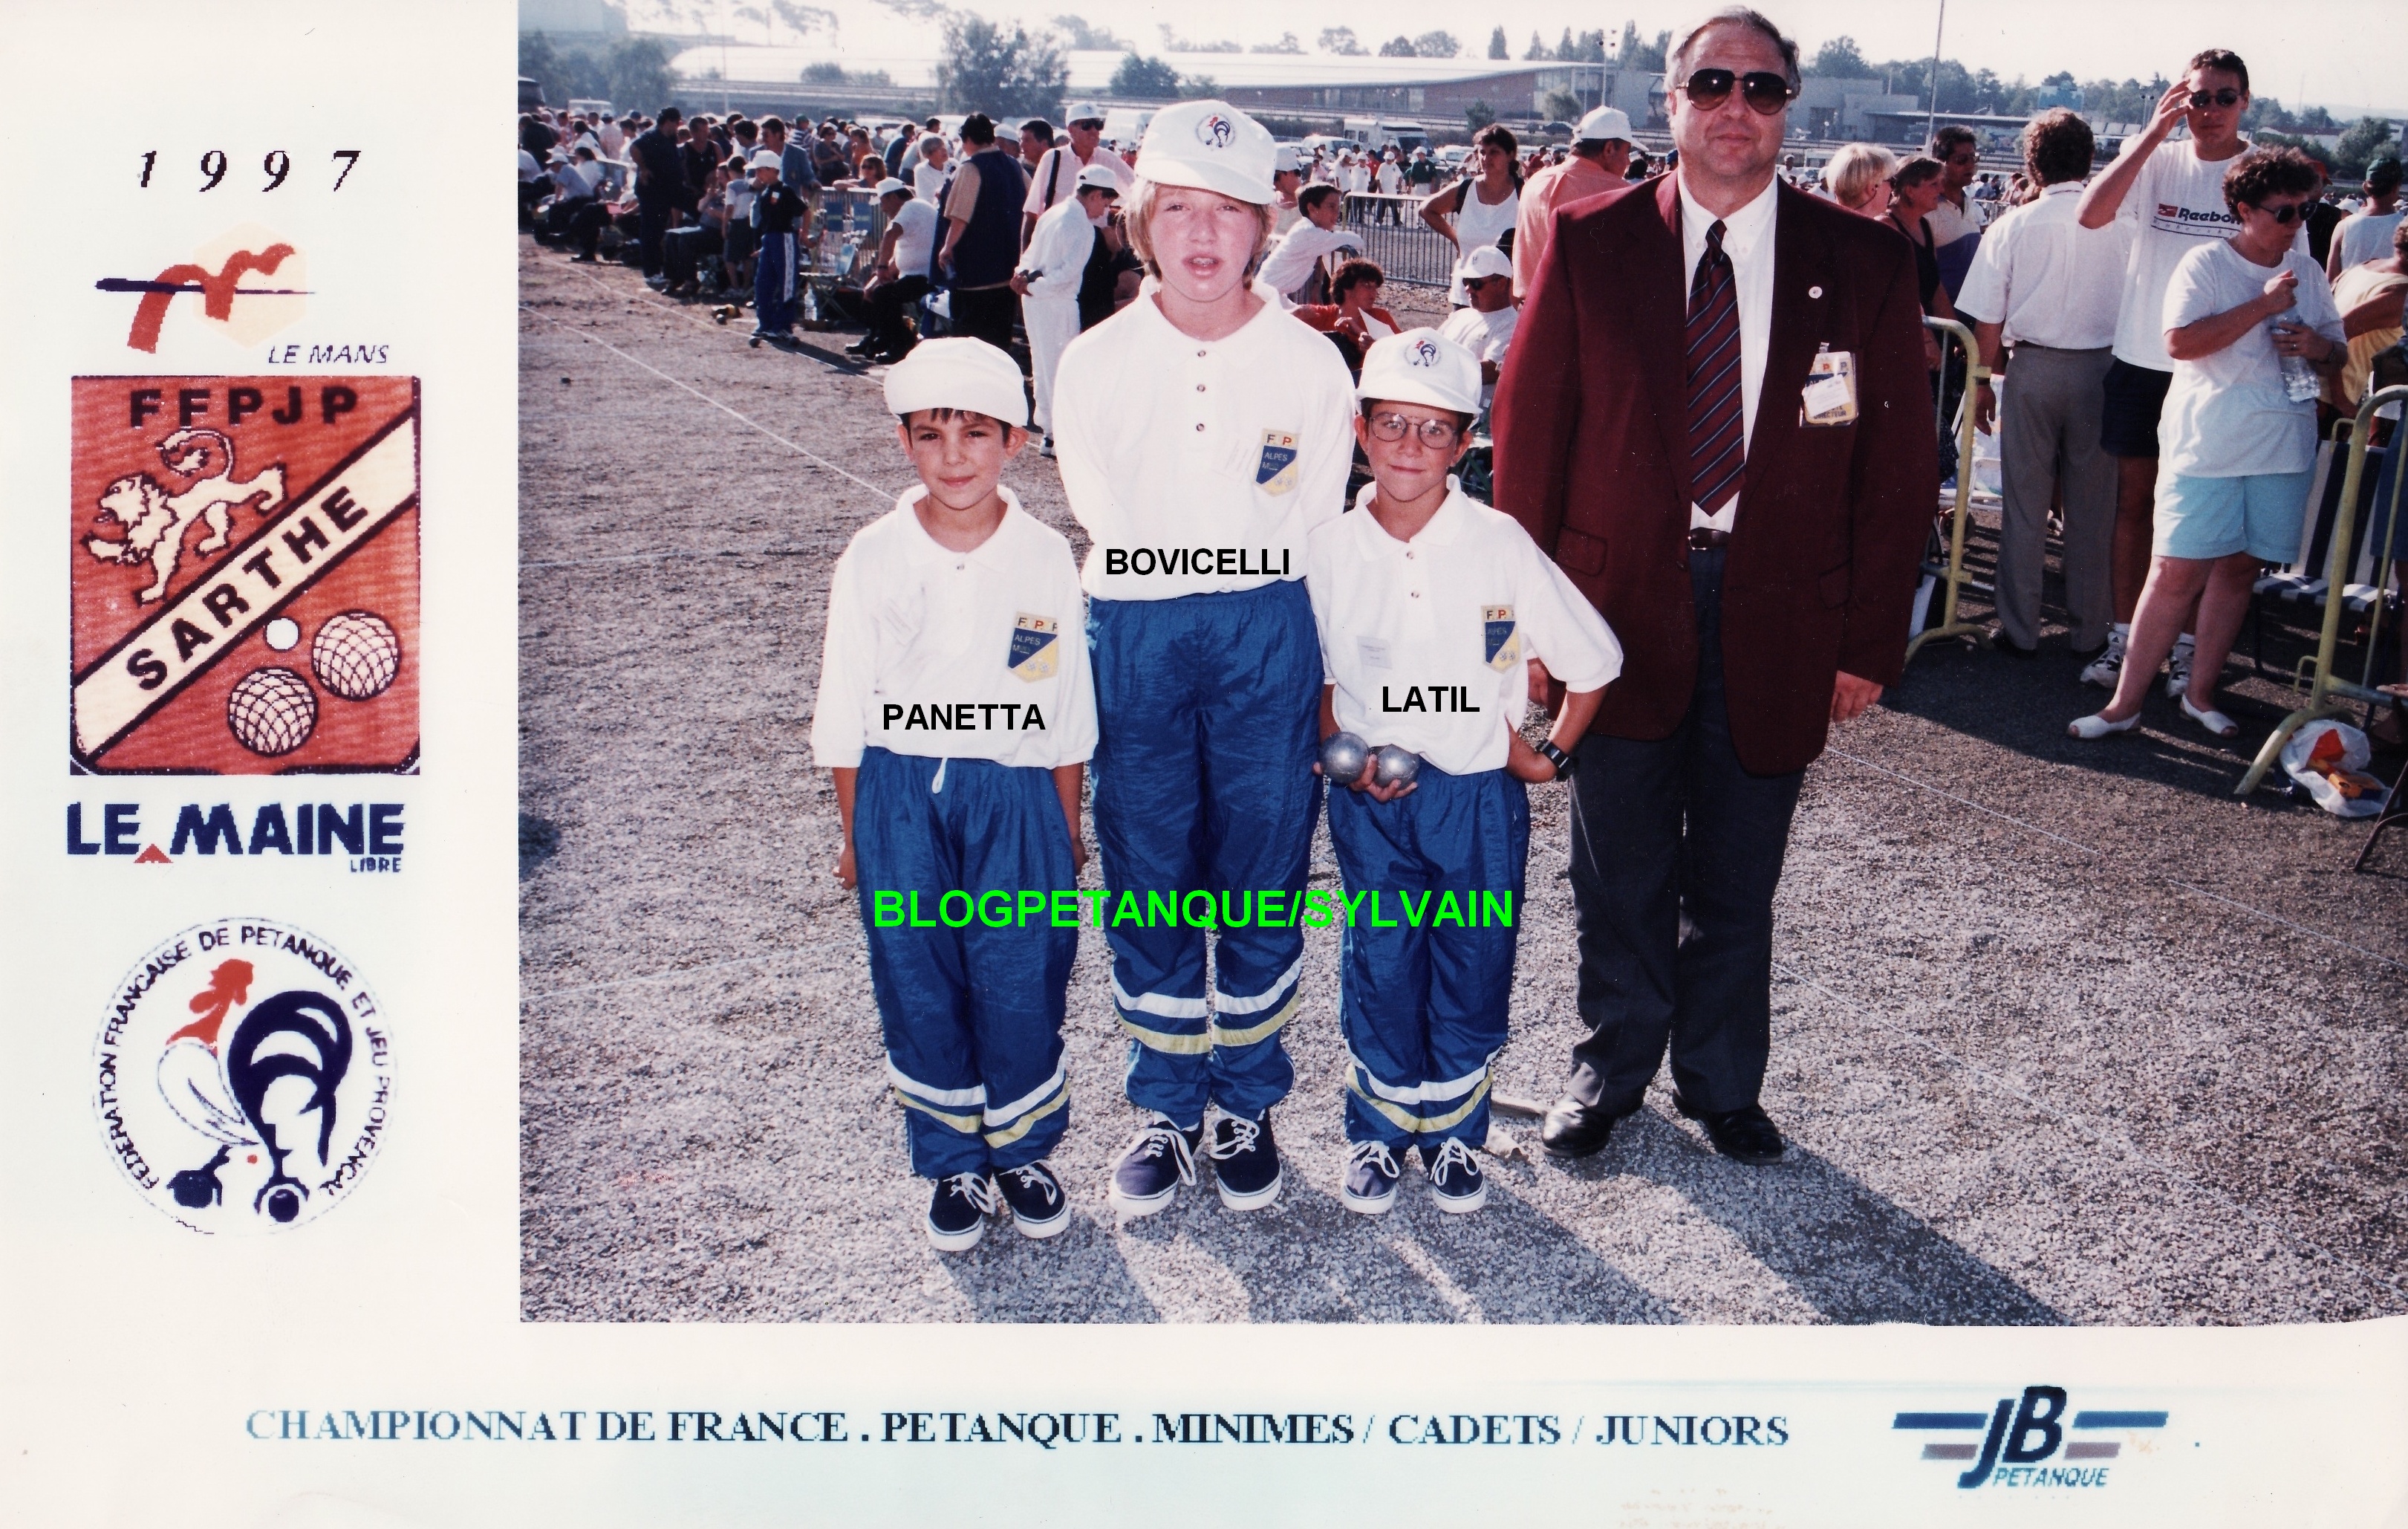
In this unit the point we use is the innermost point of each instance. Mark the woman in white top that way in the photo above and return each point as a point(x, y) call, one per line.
point(1481, 208)
point(928, 176)
point(2236, 450)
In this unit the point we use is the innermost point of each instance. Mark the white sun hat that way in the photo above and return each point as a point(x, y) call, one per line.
point(1211, 145)
point(960, 373)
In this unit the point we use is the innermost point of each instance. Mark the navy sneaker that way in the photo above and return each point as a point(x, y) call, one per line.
point(1039, 1206)
point(1245, 1161)
point(1371, 1174)
point(1456, 1181)
point(1152, 1165)
point(958, 1212)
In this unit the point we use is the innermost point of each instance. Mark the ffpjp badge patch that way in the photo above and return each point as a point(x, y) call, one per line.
point(1036, 647)
point(1501, 637)
point(243, 1077)
point(1275, 469)
point(244, 584)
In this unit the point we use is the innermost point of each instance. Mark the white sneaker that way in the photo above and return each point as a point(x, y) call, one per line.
point(2108, 668)
point(2178, 669)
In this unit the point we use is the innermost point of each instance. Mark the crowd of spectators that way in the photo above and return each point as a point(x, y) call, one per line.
point(995, 234)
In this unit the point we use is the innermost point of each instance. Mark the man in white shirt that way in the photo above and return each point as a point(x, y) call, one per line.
point(2366, 235)
point(1309, 248)
point(1957, 223)
point(1047, 280)
point(900, 278)
point(2172, 194)
point(2051, 288)
point(1054, 180)
point(1484, 326)
point(1203, 434)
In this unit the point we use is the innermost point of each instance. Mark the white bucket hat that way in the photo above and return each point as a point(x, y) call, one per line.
point(961, 373)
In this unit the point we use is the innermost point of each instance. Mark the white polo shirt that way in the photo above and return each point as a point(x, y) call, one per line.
point(1199, 466)
point(1747, 238)
point(1427, 639)
point(1487, 336)
point(2047, 278)
point(1058, 172)
point(979, 655)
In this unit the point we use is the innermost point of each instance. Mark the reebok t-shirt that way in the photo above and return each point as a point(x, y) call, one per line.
point(2176, 205)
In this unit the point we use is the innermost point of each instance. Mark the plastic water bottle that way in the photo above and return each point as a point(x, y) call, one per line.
point(2300, 380)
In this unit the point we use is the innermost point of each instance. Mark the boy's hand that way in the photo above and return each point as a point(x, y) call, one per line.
point(1524, 763)
point(1368, 781)
point(844, 871)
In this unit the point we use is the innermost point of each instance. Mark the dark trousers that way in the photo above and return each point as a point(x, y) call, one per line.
point(986, 314)
point(586, 228)
point(651, 225)
point(888, 303)
point(1676, 850)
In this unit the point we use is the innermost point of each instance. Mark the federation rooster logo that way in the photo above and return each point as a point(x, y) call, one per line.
point(271, 1073)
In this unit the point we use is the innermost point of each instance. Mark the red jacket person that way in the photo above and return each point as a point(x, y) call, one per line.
point(1716, 419)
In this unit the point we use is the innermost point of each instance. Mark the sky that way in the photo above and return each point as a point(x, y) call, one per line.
point(2346, 55)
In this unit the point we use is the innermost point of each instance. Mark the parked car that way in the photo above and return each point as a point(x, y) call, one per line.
point(530, 93)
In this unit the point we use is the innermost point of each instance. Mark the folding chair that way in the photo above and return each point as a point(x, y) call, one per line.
point(2301, 585)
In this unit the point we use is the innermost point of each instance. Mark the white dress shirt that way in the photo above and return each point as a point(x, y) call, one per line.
point(1487, 336)
point(2047, 278)
point(1747, 239)
point(1212, 458)
point(1428, 640)
point(946, 655)
point(1290, 263)
point(1056, 257)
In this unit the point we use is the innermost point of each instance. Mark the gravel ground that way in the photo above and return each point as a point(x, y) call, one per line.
point(2063, 1032)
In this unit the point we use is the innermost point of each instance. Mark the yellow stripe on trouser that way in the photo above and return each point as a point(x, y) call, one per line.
point(1021, 1127)
point(1422, 1124)
point(967, 1124)
point(1214, 1034)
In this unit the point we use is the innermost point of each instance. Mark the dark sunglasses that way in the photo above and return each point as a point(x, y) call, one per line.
point(1765, 91)
point(2284, 213)
point(2228, 96)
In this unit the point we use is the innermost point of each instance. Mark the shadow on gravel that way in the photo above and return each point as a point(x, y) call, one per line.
point(1846, 1250)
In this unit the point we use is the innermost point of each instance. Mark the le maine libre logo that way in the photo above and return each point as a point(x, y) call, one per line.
point(2020, 1436)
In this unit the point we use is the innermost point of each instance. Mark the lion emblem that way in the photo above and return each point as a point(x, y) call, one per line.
point(154, 521)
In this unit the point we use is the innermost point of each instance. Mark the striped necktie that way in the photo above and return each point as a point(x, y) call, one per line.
point(1717, 437)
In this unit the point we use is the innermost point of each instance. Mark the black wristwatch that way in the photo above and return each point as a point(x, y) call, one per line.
point(1562, 761)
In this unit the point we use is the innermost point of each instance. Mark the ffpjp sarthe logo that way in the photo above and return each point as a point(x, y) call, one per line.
point(2038, 1439)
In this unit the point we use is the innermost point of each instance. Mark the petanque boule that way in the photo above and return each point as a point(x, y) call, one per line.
point(1396, 765)
point(1342, 757)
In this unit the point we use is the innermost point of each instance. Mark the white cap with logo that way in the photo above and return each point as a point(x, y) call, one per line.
point(1487, 260)
point(961, 373)
point(1420, 366)
point(1211, 145)
point(1098, 178)
point(1604, 124)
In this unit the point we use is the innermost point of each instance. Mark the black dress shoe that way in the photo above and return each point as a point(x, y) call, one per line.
point(2002, 644)
point(1575, 1130)
point(1744, 1135)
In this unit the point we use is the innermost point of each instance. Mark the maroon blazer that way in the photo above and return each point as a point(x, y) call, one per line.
point(1591, 427)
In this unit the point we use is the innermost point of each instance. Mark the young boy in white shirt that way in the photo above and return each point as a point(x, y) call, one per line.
point(956, 710)
point(1430, 607)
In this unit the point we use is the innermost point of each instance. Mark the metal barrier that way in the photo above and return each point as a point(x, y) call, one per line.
point(2326, 694)
point(1952, 571)
point(1397, 240)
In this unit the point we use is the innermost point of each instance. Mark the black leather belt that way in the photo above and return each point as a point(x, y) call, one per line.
point(1706, 539)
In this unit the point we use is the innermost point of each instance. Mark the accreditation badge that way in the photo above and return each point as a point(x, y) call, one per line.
point(1501, 637)
point(1275, 468)
point(1831, 393)
point(1036, 647)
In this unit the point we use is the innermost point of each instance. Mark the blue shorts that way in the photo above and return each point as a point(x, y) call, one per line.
point(2260, 514)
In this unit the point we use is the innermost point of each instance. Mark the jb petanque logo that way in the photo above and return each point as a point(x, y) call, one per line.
point(243, 575)
point(1424, 354)
point(1215, 131)
point(2036, 1440)
point(243, 1077)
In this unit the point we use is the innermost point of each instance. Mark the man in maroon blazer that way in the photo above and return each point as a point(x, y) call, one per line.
point(1715, 419)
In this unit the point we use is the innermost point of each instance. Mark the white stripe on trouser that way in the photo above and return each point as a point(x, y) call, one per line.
point(1215, 1032)
point(1370, 1091)
point(786, 277)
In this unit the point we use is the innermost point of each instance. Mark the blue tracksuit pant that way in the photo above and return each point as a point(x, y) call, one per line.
point(972, 1015)
point(773, 285)
point(1206, 705)
point(1427, 971)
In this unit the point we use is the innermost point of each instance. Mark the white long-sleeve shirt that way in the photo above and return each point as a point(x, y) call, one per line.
point(1199, 466)
point(1056, 257)
point(1290, 263)
point(977, 654)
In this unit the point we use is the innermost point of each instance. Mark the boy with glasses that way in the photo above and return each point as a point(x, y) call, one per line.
point(1429, 607)
point(2172, 194)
